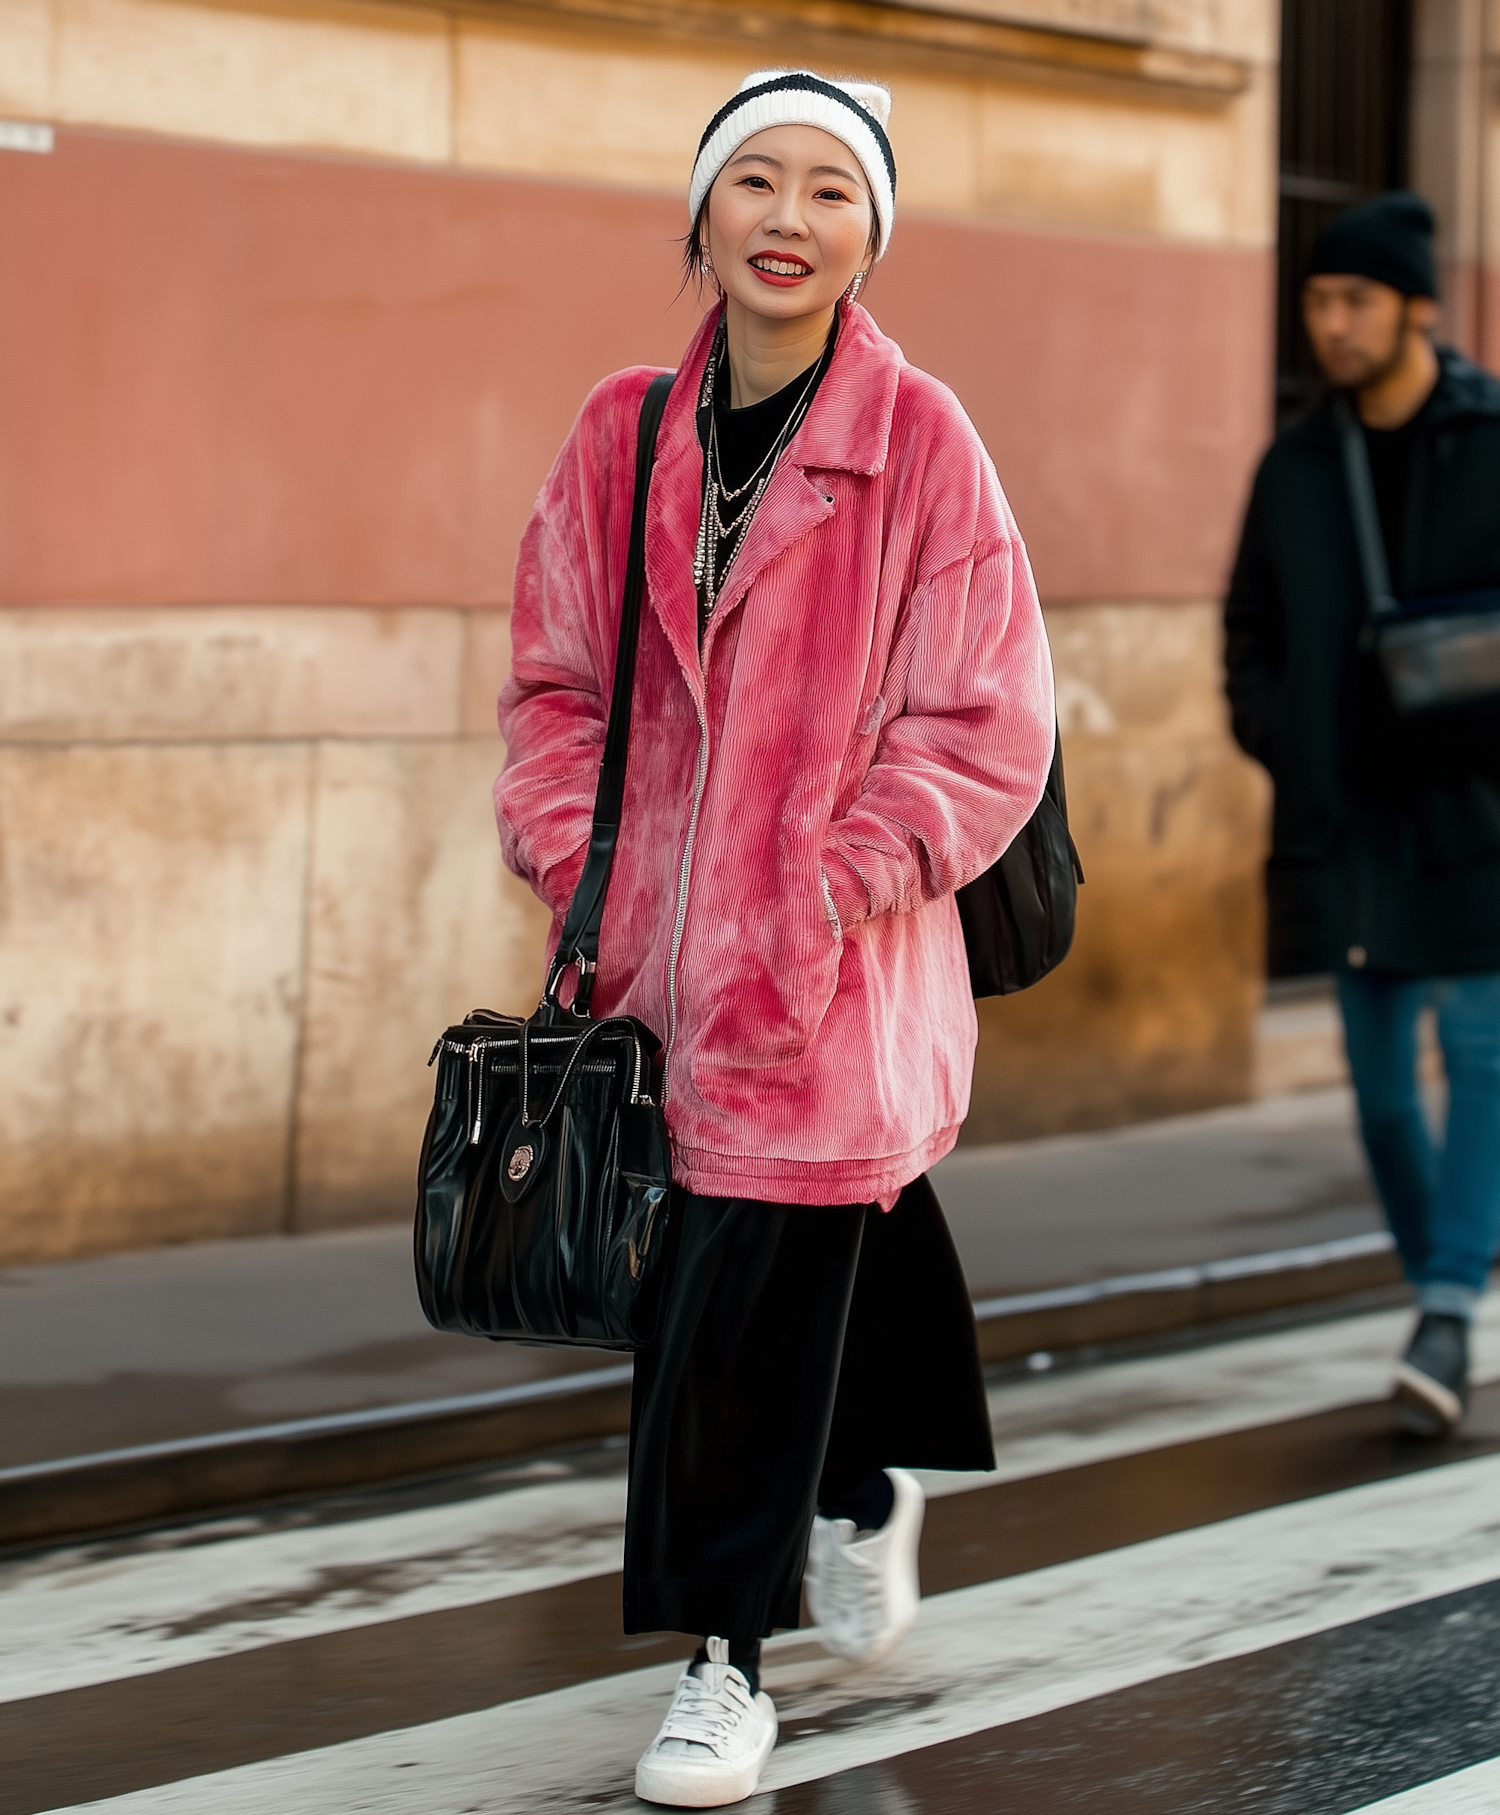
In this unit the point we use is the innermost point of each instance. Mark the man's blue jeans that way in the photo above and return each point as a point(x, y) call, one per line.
point(1443, 1207)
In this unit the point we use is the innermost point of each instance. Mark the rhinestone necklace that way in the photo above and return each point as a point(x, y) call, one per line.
point(723, 517)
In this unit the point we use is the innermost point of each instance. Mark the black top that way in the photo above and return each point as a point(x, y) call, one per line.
point(745, 438)
point(1390, 469)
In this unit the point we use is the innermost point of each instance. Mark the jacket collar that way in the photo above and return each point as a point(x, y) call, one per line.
point(1462, 389)
point(848, 429)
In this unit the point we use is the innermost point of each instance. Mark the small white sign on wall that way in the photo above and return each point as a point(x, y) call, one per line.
point(24, 135)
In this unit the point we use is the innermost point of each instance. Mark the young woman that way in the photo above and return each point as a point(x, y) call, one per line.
point(843, 712)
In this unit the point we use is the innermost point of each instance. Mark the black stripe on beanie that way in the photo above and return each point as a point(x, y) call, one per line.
point(812, 85)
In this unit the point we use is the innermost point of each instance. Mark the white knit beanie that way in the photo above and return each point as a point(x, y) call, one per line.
point(855, 112)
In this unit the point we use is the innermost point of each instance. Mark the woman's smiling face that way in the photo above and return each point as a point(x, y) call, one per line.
point(790, 222)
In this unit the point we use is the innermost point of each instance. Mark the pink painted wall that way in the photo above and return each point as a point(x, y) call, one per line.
point(228, 376)
point(1123, 388)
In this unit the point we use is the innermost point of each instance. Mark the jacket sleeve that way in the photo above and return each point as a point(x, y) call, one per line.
point(961, 766)
point(554, 707)
point(1253, 654)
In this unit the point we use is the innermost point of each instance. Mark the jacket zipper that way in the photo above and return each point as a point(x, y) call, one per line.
point(700, 774)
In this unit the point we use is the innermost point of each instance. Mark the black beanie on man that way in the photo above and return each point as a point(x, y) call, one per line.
point(1388, 239)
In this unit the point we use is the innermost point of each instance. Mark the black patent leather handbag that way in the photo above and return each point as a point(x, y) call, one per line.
point(544, 1185)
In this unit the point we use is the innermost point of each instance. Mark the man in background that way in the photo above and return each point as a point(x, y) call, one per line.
point(1385, 864)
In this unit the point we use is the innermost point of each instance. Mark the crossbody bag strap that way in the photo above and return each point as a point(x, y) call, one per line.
point(579, 944)
point(1380, 600)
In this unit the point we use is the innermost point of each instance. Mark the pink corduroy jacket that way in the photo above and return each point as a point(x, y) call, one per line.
point(868, 726)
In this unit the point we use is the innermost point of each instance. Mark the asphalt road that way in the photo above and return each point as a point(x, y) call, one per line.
point(1205, 1581)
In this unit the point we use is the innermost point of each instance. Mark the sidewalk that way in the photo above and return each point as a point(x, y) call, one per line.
point(149, 1347)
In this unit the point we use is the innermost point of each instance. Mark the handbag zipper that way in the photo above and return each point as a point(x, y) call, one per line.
point(474, 1093)
point(463, 1051)
point(463, 1047)
point(700, 775)
point(474, 1097)
point(474, 1101)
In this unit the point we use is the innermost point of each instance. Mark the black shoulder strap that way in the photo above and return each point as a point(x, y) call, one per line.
point(1379, 599)
point(579, 943)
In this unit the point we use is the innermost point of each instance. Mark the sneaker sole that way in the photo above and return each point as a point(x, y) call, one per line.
point(676, 1783)
point(906, 1535)
point(1424, 1406)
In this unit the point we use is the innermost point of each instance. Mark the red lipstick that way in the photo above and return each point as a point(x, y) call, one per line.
point(779, 279)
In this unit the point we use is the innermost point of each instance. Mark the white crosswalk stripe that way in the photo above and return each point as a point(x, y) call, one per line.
point(1472, 1792)
point(91, 1616)
point(979, 1657)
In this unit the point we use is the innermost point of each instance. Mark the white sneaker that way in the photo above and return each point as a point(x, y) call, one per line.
point(715, 1741)
point(863, 1592)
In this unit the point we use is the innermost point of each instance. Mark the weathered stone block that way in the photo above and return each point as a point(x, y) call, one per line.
point(150, 992)
point(486, 665)
point(25, 57)
point(412, 921)
point(228, 673)
point(346, 76)
point(556, 104)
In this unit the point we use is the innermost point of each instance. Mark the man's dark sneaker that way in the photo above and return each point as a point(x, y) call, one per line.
point(1432, 1378)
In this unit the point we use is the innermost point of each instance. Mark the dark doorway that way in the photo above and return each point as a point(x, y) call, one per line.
point(1345, 75)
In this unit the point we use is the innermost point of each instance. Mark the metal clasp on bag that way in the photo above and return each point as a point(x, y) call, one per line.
point(559, 968)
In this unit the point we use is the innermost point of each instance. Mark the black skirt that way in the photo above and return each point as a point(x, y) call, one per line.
point(801, 1351)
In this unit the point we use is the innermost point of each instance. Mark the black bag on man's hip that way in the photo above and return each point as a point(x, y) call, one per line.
point(1440, 654)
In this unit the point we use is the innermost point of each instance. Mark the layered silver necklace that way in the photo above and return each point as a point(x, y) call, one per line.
point(727, 510)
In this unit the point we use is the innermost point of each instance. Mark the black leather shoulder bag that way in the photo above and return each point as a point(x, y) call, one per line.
point(1436, 652)
point(545, 1178)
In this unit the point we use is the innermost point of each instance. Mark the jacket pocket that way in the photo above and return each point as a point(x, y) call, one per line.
point(830, 907)
point(859, 753)
point(812, 953)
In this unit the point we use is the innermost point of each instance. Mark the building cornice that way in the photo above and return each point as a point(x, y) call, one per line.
point(949, 35)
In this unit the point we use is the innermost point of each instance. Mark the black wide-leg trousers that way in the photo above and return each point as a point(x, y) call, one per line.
point(801, 1350)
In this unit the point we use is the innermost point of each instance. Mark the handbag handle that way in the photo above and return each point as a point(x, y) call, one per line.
point(579, 942)
point(1368, 539)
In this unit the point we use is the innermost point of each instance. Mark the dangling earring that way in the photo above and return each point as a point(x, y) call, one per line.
point(856, 285)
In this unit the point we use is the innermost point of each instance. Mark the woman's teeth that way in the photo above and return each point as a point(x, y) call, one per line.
point(780, 267)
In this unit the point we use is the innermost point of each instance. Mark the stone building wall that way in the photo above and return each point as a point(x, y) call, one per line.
point(299, 304)
point(1456, 161)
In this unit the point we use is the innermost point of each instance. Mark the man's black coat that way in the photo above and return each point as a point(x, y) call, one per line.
point(1387, 829)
